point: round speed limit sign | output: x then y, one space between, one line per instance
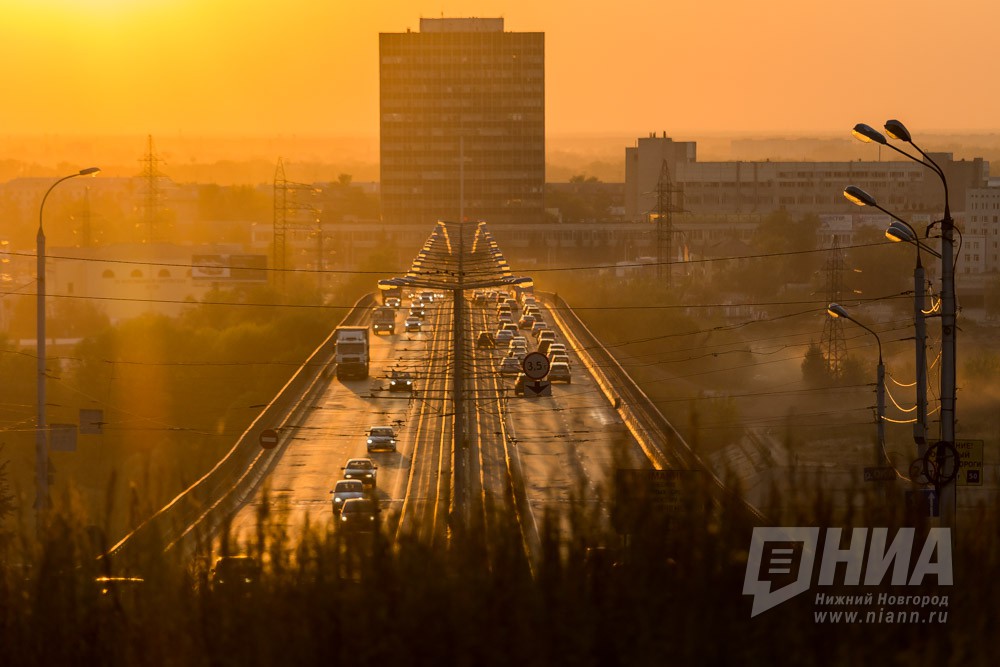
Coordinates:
535 365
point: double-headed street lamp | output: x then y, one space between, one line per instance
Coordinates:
900 230
836 310
896 130
41 431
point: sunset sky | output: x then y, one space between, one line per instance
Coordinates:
686 66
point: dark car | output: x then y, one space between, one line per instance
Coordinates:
400 381
362 469
485 341
359 515
345 490
238 574
417 311
381 439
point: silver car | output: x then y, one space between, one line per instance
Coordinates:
559 372
509 366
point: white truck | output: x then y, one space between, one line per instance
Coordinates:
352 353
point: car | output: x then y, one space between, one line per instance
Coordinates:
538 327
518 353
526 322
559 373
362 469
518 341
485 341
506 318
359 515
344 490
393 302
400 381
509 366
555 348
236 574
519 384
511 327
559 359
503 336
427 297
418 311
412 324
381 439
546 334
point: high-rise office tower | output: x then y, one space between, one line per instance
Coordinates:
462 123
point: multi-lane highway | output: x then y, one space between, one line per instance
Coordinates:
550 451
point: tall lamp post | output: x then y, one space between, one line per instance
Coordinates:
836 310
41 431
898 131
902 231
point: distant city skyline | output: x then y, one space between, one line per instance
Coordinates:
303 67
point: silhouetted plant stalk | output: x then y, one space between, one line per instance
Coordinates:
671 595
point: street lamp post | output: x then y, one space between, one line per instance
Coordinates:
905 232
949 332
41 431
901 230
836 310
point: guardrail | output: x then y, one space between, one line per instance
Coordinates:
660 441
227 485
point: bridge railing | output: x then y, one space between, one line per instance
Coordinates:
663 445
220 491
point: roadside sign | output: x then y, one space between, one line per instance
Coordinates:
535 365
880 474
537 388
970 462
269 438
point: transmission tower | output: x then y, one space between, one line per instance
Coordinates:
288 203
834 346
152 194
669 200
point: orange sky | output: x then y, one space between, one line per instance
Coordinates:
300 67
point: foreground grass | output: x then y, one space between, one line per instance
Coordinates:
671 596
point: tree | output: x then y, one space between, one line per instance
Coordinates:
815 369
